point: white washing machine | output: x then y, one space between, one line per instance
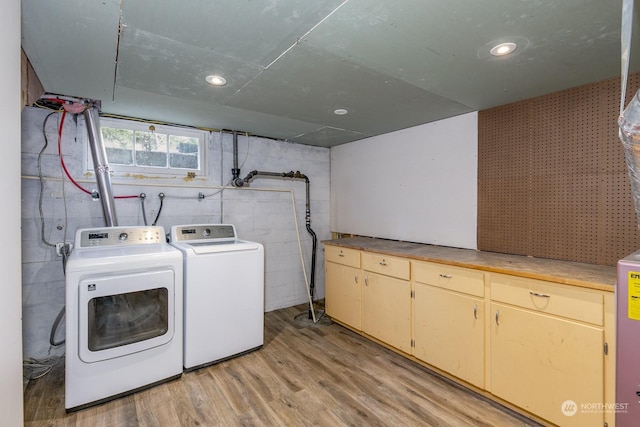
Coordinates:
223 293
124 302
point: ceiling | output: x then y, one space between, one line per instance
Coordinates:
289 64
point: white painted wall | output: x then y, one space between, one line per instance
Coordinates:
10 306
262 212
418 184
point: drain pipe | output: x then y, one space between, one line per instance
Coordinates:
314 238
236 181
314 242
100 163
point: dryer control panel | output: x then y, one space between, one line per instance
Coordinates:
119 236
184 233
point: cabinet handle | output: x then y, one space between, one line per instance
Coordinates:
475 311
498 317
445 276
383 263
356 278
536 294
341 254
366 281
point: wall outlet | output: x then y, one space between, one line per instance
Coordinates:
68 246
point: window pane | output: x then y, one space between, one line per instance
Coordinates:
141 148
151 149
183 152
119 145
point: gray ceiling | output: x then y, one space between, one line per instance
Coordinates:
290 63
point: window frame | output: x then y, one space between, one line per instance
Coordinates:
118 169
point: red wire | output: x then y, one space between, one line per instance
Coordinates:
64 167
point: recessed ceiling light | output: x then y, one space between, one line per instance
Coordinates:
340 111
216 80
503 49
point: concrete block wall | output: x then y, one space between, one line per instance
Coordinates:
263 212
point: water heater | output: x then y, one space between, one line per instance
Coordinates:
628 342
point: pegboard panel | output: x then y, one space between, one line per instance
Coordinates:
503 180
552 182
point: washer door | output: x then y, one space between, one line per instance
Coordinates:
122 314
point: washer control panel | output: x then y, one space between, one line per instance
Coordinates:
119 236
185 233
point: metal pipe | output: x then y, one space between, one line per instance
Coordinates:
251 174
314 238
100 165
236 181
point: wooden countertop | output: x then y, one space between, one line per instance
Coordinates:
569 273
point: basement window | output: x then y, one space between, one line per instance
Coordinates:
138 147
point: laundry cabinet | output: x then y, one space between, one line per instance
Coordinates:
449 319
548 349
343 291
537 335
386 299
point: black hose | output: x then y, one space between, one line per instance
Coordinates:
161 195
46 143
54 328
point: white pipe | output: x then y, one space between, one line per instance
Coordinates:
143 184
304 270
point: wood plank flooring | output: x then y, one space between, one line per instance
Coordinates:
305 375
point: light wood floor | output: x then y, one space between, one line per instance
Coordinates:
305 375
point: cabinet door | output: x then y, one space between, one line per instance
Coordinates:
343 294
386 310
448 330
547 364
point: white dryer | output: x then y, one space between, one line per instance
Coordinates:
124 302
223 293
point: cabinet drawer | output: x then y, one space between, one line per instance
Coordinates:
343 256
463 280
551 298
387 265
